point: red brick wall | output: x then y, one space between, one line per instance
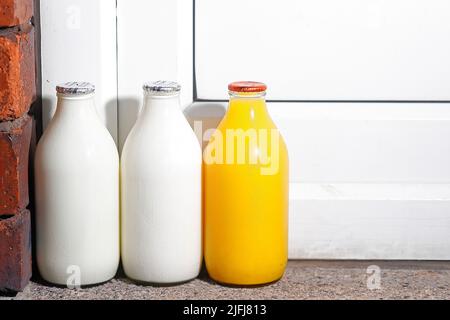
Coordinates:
17 72
17 94
15 12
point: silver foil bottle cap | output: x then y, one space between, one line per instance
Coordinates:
75 88
162 88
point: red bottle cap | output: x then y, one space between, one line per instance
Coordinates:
247 86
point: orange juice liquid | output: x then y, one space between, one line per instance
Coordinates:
246 209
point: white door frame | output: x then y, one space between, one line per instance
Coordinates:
369 179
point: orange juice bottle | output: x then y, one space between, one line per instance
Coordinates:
246 174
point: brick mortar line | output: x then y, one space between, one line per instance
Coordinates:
18 28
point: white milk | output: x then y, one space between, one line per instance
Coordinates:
161 192
77 193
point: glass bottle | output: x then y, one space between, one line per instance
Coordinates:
161 192
246 193
77 193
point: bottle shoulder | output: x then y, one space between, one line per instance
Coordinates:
161 148
72 143
246 123
152 131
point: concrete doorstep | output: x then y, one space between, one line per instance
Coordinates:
311 280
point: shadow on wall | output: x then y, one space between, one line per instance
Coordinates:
122 115
128 112
36 113
111 119
203 117
48 110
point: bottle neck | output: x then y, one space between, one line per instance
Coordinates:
76 106
161 105
250 107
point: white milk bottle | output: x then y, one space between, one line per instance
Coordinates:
161 192
77 193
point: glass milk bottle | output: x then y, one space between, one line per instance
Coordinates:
246 193
77 193
161 192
